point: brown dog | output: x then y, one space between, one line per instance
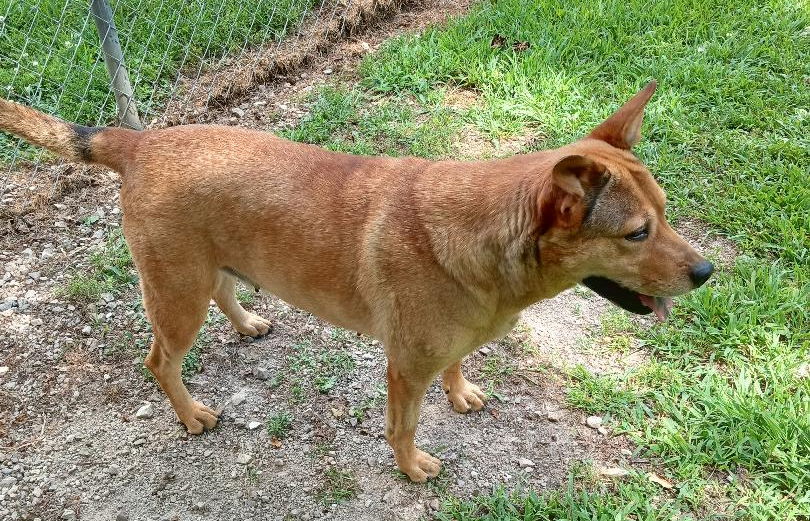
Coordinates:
432 258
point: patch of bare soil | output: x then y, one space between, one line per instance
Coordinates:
71 446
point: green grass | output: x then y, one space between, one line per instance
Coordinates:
357 122
598 394
279 424
338 486
718 407
50 57
582 498
315 367
110 270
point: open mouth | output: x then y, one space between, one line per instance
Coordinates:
628 299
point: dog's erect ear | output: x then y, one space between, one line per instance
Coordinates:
576 174
576 181
623 128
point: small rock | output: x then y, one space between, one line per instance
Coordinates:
594 422
8 482
525 462
803 371
113 470
434 504
122 516
327 71
254 425
239 398
68 515
107 297
243 459
139 441
554 416
87 330
613 472
3 369
236 111
262 373
485 350
146 411
602 430
36 322
626 452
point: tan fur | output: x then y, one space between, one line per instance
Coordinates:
432 258
38 128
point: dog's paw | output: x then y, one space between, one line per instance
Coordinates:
419 466
199 418
253 325
465 397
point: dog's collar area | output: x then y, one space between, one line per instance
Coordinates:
628 299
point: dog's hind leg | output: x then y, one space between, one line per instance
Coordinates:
176 303
464 395
244 322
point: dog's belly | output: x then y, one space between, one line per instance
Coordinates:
347 313
324 289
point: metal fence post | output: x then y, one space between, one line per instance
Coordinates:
114 60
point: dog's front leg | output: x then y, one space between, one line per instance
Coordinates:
406 390
464 396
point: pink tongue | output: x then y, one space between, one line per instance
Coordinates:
660 305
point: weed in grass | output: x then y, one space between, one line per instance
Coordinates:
83 287
372 401
324 384
323 368
276 380
110 271
440 485
245 296
338 486
279 424
497 368
598 394
297 391
583 498
192 363
614 322
352 121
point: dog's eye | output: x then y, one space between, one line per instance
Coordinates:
638 235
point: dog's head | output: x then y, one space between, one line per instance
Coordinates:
603 217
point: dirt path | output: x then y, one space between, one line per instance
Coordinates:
71 446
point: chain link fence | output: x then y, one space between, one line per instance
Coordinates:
178 57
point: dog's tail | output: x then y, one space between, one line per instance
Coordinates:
112 147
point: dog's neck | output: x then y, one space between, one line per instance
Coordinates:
500 252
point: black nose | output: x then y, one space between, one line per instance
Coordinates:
701 272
